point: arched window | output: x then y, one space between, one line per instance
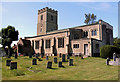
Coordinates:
95 32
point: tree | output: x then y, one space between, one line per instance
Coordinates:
8 35
117 42
90 19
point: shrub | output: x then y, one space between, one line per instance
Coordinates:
108 50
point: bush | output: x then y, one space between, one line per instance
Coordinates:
108 50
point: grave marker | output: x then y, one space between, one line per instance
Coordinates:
8 62
70 62
49 64
63 58
55 60
34 62
60 64
13 65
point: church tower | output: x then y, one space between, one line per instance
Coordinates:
47 21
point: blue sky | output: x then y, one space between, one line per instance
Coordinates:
23 15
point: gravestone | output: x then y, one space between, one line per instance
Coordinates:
63 58
8 62
55 60
46 57
81 57
68 56
13 65
114 56
107 61
60 64
34 62
49 64
70 62
15 56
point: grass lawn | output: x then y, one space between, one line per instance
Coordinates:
90 68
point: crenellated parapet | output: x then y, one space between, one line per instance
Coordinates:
47 9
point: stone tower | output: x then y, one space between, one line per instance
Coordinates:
47 21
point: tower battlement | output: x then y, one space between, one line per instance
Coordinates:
47 9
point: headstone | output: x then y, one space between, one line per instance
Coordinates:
70 62
68 56
13 65
107 61
15 56
81 57
8 62
55 60
34 62
46 57
49 64
114 56
60 64
63 58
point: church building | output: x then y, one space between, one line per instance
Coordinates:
83 40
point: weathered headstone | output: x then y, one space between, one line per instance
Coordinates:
34 62
68 56
63 58
8 62
114 56
55 60
46 57
13 65
70 62
107 61
49 64
60 64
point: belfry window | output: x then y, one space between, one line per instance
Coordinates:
51 17
41 17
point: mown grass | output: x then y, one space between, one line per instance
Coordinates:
90 68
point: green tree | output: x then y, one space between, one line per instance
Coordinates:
9 34
117 42
90 18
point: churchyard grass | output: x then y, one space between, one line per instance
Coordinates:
91 68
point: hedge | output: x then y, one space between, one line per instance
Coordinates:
108 50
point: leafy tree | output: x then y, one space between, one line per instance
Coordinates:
90 18
117 42
8 35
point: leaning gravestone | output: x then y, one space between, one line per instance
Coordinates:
55 60
34 62
70 62
107 61
13 65
63 58
60 64
46 57
49 64
8 62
